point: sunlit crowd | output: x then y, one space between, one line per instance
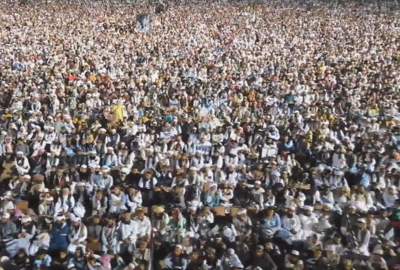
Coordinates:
228 136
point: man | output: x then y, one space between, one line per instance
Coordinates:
146 185
22 163
362 237
308 219
78 235
291 226
143 224
262 259
176 260
23 239
59 240
8 229
230 260
127 233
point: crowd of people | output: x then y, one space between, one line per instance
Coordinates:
226 136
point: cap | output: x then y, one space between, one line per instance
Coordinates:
158 209
361 220
60 218
26 219
49 199
378 250
74 218
242 212
308 208
259 247
295 253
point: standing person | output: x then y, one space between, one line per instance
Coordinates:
59 240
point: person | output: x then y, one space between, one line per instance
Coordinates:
203 132
59 240
8 229
362 237
262 259
78 234
24 236
270 224
176 259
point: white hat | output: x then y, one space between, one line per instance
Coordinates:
4 259
26 219
242 211
8 195
361 220
227 232
6 215
60 218
74 218
49 199
44 190
378 250
295 253
20 153
308 208
81 184
330 248
26 176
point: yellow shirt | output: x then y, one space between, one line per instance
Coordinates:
119 112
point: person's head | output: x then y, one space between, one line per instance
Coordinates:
5 218
60 220
269 212
63 255
178 250
290 211
96 220
26 220
75 221
195 256
79 252
83 169
351 210
361 223
110 222
347 264
140 213
142 245
259 250
65 192
148 174
126 217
